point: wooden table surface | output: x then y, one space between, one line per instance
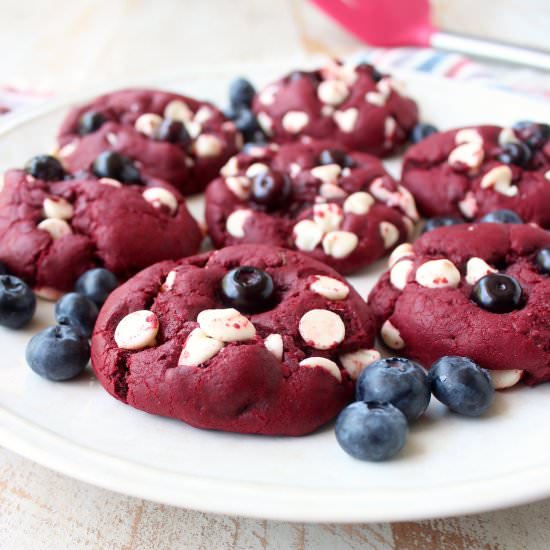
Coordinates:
61 45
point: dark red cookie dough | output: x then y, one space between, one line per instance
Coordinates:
97 224
458 173
346 217
425 308
188 167
353 105
239 374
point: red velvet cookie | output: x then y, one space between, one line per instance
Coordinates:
51 232
169 136
480 291
341 208
470 172
272 348
354 105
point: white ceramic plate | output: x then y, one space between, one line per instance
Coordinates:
451 465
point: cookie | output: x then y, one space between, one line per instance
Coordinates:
341 208
354 105
475 290
52 232
270 348
470 172
169 136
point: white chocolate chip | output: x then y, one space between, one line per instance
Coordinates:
506 136
204 114
198 348
330 288
148 124
500 179
322 329
307 235
330 191
399 273
358 203
323 363
468 154
547 175
328 216
327 110
476 268
239 186
168 282
328 173
355 362
208 146
438 274
265 122
468 135
257 168
55 227
294 169
58 208
375 98
346 120
409 226
267 95
227 325
389 234
193 128
159 197
390 126
137 330
340 244
178 110
274 344
235 222
332 92
111 138
503 379
401 198
468 205
295 121
385 86
391 336
231 167
67 150
110 181
402 251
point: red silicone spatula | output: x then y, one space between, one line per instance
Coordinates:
408 23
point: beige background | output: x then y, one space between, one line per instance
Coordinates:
68 45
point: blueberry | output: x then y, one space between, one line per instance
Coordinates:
398 381
173 131
110 164
501 216
422 131
543 260
462 385
96 284
248 289
246 123
3 269
17 302
91 121
45 167
516 153
497 293
533 134
241 93
313 76
336 156
271 189
371 431
440 221
58 353
77 311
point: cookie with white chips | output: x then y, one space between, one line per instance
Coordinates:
470 172
339 207
353 104
168 136
53 231
481 291
250 339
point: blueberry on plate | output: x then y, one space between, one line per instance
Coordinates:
535 135
45 167
497 293
248 289
110 164
78 312
96 284
543 260
371 431
398 381
91 121
440 221
501 216
241 93
246 123
17 302
58 353
421 131
461 385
